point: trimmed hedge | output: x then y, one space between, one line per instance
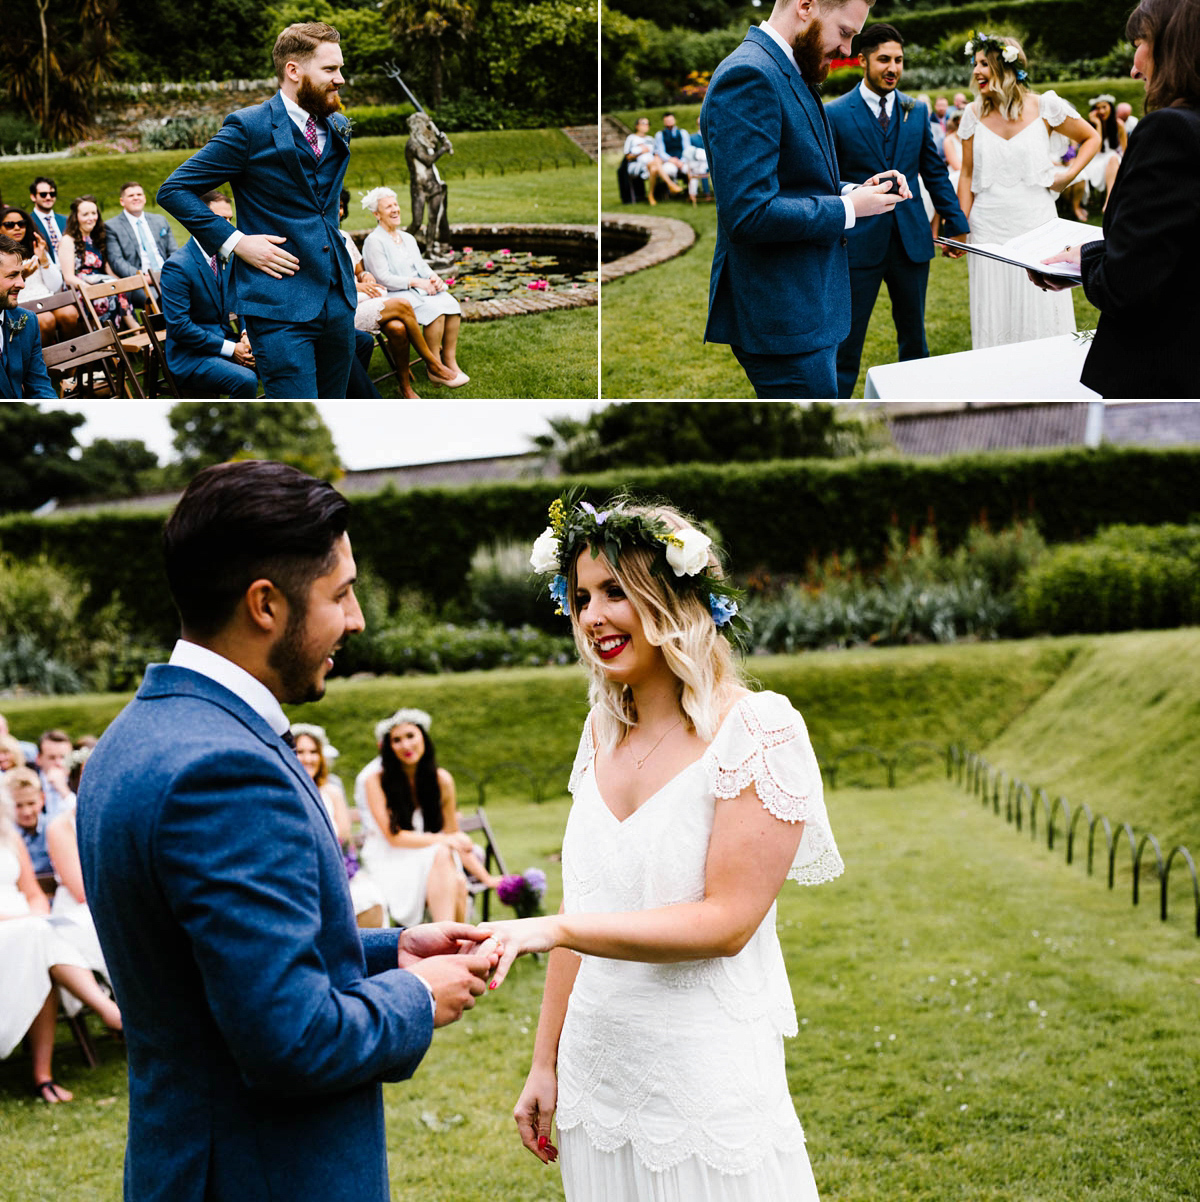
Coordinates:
774 517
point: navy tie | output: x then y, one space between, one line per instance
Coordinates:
883 117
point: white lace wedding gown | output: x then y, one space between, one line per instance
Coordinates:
1010 182
671 1081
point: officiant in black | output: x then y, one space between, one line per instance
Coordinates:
878 128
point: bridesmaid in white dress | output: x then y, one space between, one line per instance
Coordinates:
660 1041
35 958
1007 187
392 256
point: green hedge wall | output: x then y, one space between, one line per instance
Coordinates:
772 516
1066 29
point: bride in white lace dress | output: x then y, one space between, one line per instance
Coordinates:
1007 186
660 1041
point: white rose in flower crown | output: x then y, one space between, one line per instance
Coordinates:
969 48
692 556
545 552
1009 54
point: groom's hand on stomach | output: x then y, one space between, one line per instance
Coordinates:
265 251
456 981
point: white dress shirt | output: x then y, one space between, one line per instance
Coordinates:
874 100
144 236
783 45
236 679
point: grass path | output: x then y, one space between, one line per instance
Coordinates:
977 1022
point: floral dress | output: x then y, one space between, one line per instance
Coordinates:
88 263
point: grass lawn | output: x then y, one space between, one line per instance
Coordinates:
672 300
977 1022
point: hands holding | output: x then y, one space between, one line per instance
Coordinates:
448 957
520 936
265 251
1057 283
880 194
243 356
949 252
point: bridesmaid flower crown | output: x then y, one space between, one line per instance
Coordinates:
681 556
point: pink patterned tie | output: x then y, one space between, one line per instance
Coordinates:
52 232
212 262
310 132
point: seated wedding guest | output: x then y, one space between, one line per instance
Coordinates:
960 101
25 792
314 752
22 369
54 767
671 145
11 754
394 260
137 240
641 160
83 259
952 153
42 276
70 899
36 958
413 848
198 300
937 122
1102 170
1142 275
1126 117
43 196
395 319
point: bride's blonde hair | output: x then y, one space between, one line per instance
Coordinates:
1005 84
677 621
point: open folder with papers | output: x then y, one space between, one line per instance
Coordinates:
1029 249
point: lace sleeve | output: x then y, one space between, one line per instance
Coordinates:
1054 110
764 743
966 125
583 756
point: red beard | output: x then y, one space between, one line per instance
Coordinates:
320 102
809 50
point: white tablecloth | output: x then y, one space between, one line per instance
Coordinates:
1047 369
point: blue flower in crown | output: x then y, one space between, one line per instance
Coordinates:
558 590
723 609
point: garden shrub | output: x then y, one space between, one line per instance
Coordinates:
501 588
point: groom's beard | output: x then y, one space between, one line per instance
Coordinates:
809 49
319 101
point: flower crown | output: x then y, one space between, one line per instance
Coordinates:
413 717
989 44
575 523
318 735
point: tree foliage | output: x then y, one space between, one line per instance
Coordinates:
35 456
208 432
658 435
431 25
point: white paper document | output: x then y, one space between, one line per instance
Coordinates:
1030 248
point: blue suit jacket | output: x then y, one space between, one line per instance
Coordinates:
40 226
255 152
124 253
779 283
861 150
196 305
259 1020
23 376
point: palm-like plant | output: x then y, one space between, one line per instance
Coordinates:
431 23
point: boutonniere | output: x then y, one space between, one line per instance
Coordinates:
17 321
907 106
344 126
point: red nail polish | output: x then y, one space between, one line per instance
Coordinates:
542 1142
493 984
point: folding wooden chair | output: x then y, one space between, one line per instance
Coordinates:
392 372
47 304
84 358
135 340
478 822
155 325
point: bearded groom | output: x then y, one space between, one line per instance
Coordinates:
285 160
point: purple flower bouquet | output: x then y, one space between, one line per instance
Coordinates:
523 891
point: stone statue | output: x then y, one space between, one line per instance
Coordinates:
426 144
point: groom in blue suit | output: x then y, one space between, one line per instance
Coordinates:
779 291
872 132
259 1020
22 369
285 159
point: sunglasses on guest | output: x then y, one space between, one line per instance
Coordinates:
13 225
45 195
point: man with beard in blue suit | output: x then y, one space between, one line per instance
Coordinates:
197 297
872 132
22 369
285 160
779 292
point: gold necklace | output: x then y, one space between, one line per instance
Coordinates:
638 763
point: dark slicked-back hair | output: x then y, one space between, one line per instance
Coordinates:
241 522
876 35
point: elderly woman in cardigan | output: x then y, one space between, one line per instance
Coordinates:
392 256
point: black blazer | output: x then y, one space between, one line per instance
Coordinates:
1142 277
